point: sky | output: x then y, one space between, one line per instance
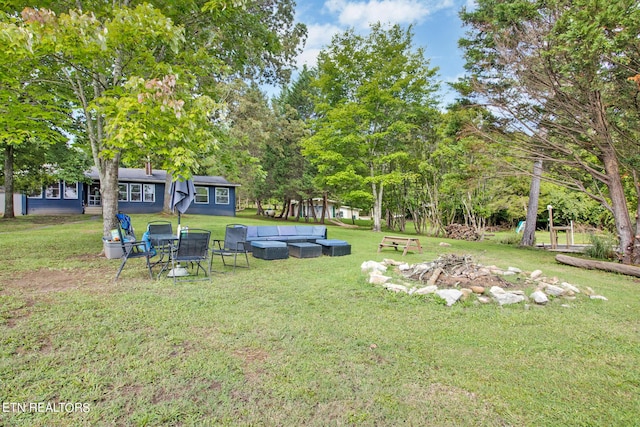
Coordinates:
436 27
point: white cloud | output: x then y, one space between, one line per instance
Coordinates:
318 37
360 14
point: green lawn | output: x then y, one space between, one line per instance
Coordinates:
300 341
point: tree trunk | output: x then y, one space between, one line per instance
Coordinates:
377 206
619 208
285 209
166 206
8 182
299 211
324 207
109 193
311 209
529 233
599 265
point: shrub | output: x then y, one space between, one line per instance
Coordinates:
602 246
510 239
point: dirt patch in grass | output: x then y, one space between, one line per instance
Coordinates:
47 280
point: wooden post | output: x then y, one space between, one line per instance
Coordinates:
553 237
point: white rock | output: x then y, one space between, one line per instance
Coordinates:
554 290
539 297
508 273
373 266
600 297
396 288
426 290
570 287
449 295
484 299
445 244
508 298
388 261
496 290
404 267
535 274
515 270
378 279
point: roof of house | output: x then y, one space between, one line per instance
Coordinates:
160 176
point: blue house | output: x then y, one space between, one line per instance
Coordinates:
140 191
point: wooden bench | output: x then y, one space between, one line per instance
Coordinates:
406 243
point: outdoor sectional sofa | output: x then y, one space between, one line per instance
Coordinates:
286 233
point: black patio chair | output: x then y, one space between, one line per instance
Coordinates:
161 236
131 248
234 243
192 250
159 231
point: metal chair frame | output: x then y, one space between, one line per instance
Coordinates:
192 248
234 243
132 249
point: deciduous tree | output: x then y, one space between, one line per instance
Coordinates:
557 72
374 90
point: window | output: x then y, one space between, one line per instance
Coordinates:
149 193
202 195
123 194
222 196
35 194
70 190
53 191
135 192
94 198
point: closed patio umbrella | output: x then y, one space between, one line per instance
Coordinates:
182 194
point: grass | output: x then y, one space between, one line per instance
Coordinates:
301 341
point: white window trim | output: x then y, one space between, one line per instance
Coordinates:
65 186
53 198
195 200
228 195
126 193
141 194
40 195
152 193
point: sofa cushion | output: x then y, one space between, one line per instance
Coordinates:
267 230
268 244
331 242
319 230
252 231
287 230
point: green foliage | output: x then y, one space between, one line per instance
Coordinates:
602 246
564 71
573 206
368 110
509 239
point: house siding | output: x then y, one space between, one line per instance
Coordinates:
138 179
212 208
44 206
142 206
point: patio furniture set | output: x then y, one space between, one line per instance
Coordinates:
183 254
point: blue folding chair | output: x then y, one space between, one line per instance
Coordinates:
131 248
